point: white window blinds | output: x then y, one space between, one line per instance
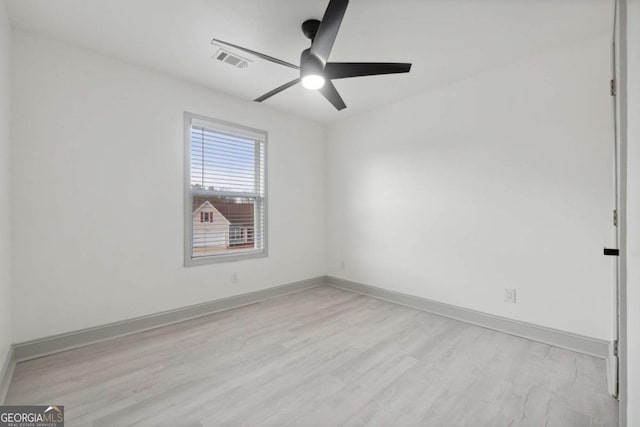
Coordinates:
226 203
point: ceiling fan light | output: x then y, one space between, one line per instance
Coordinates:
313 81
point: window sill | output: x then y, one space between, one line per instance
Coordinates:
216 259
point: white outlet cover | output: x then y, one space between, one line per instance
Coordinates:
510 295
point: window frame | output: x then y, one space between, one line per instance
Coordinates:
260 136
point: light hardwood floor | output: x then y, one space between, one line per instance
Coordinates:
322 357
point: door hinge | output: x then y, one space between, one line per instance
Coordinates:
613 87
615 348
615 217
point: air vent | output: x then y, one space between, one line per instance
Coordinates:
231 58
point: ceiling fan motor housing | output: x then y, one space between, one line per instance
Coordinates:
310 64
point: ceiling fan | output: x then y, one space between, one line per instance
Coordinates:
316 72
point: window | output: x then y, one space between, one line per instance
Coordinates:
238 235
225 191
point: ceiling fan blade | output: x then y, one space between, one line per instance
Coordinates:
328 30
342 70
258 54
331 93
277 90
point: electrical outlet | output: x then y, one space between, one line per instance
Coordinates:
510 295
234 277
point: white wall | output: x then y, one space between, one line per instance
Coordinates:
633 213
98 144
5 229
450 195
500 181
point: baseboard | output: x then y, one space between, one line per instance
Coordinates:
54 344
57 343
6 374
579 343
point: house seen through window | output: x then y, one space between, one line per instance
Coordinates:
226 203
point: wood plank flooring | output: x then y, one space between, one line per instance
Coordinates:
322 357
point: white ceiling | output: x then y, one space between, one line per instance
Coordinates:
446 41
